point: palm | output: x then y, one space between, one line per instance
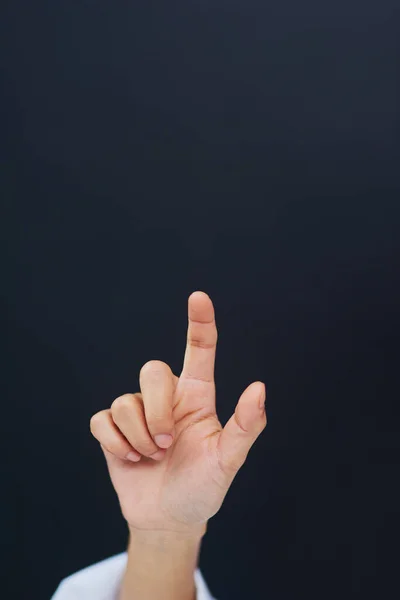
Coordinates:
188 486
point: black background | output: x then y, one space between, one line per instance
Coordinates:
247 149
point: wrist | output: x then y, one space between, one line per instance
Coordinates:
161 563
167 537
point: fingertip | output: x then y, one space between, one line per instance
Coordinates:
163 440
158 455
200 309
198 293
133 456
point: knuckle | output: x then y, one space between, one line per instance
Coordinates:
154 368
201 343
122 404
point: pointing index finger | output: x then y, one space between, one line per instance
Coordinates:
202 337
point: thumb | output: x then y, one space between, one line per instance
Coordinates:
243 428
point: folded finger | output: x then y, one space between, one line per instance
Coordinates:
127 412
157 385
111 439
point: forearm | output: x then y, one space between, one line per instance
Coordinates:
161 565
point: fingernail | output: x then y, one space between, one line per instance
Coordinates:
262 398
133 456
163 440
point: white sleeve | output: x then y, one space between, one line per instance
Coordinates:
102 581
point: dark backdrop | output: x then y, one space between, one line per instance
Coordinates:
247 149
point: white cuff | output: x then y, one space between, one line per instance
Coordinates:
102 581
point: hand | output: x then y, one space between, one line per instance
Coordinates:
176 484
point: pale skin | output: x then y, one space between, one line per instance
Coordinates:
169 487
